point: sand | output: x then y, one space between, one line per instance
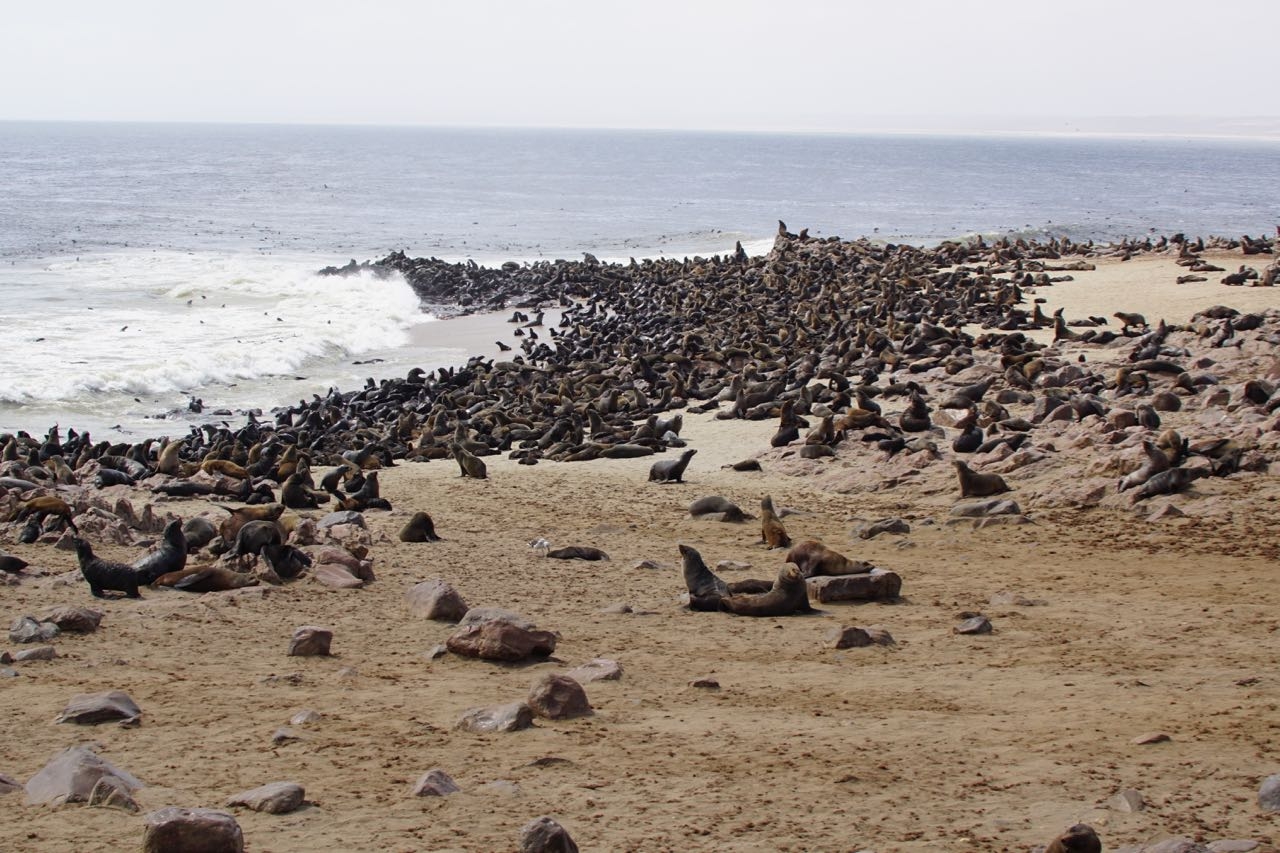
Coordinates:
940 742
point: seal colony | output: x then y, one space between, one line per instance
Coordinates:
854 376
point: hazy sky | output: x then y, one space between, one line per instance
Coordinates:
717 64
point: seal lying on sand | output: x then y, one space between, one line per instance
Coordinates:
716 504
788 596
105 574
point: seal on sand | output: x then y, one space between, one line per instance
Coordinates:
815 559
713 504
705 588
104 574
419 529
206 579
772 533
171 556
1078 839
789 595
975 485
11 563
472 466
671 470
577 552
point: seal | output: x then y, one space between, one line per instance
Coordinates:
789 595
705 587
42 507
110 477
198 531
11 563
254 536
285 560
1078 839
296 492
470 464
225 467
245 514
419 529
1156 462
171 556
716 504
772 533
815 559
577 552
670 470
975 485
167 461
206 579
1168 482
104 574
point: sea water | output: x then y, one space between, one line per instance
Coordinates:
144 266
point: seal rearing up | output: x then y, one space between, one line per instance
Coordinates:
671 470
171 556
772 533
976 485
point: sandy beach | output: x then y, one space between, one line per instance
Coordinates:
1112 621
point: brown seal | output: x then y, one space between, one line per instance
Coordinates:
1078 839
105 574
772 533
789 596
245 514
815 559
419 529
167 462
225 467
206 579
975 485
470 464
40 507
716 504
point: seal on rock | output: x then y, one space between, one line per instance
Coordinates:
39 508
671 470
104 574
815 559
976 485
788 596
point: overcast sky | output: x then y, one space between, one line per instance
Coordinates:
716 64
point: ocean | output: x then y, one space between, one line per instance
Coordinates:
144 265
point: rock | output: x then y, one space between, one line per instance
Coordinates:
477 615
76 620
284 735
877 585
110 792
1150 738
557 697
343 517
1004 598
848 637
732 566
497 718
305 717
435 783
705 683
1226 845
272 798
38 653
435 599
544 835
974 625
24 629
1165 512
70 777
6 672
498 640
336 576
172 829
985 508
1127 801
88 709
437 651
1269 794
1175 845
310 641
884 525
597 669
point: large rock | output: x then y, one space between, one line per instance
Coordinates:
435 783
477 615
175 830
878 585
336 576
544 835
24 629
76 620
556 697
435 599
341 517
497 718
70 777
502 641
310 641
88 709
272 798
1269 794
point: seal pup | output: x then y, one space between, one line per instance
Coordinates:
789 596
470 464
772 533
104 574
815 559
198 531
1078 839
420 528
171 556
670 470
975 485
11 563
